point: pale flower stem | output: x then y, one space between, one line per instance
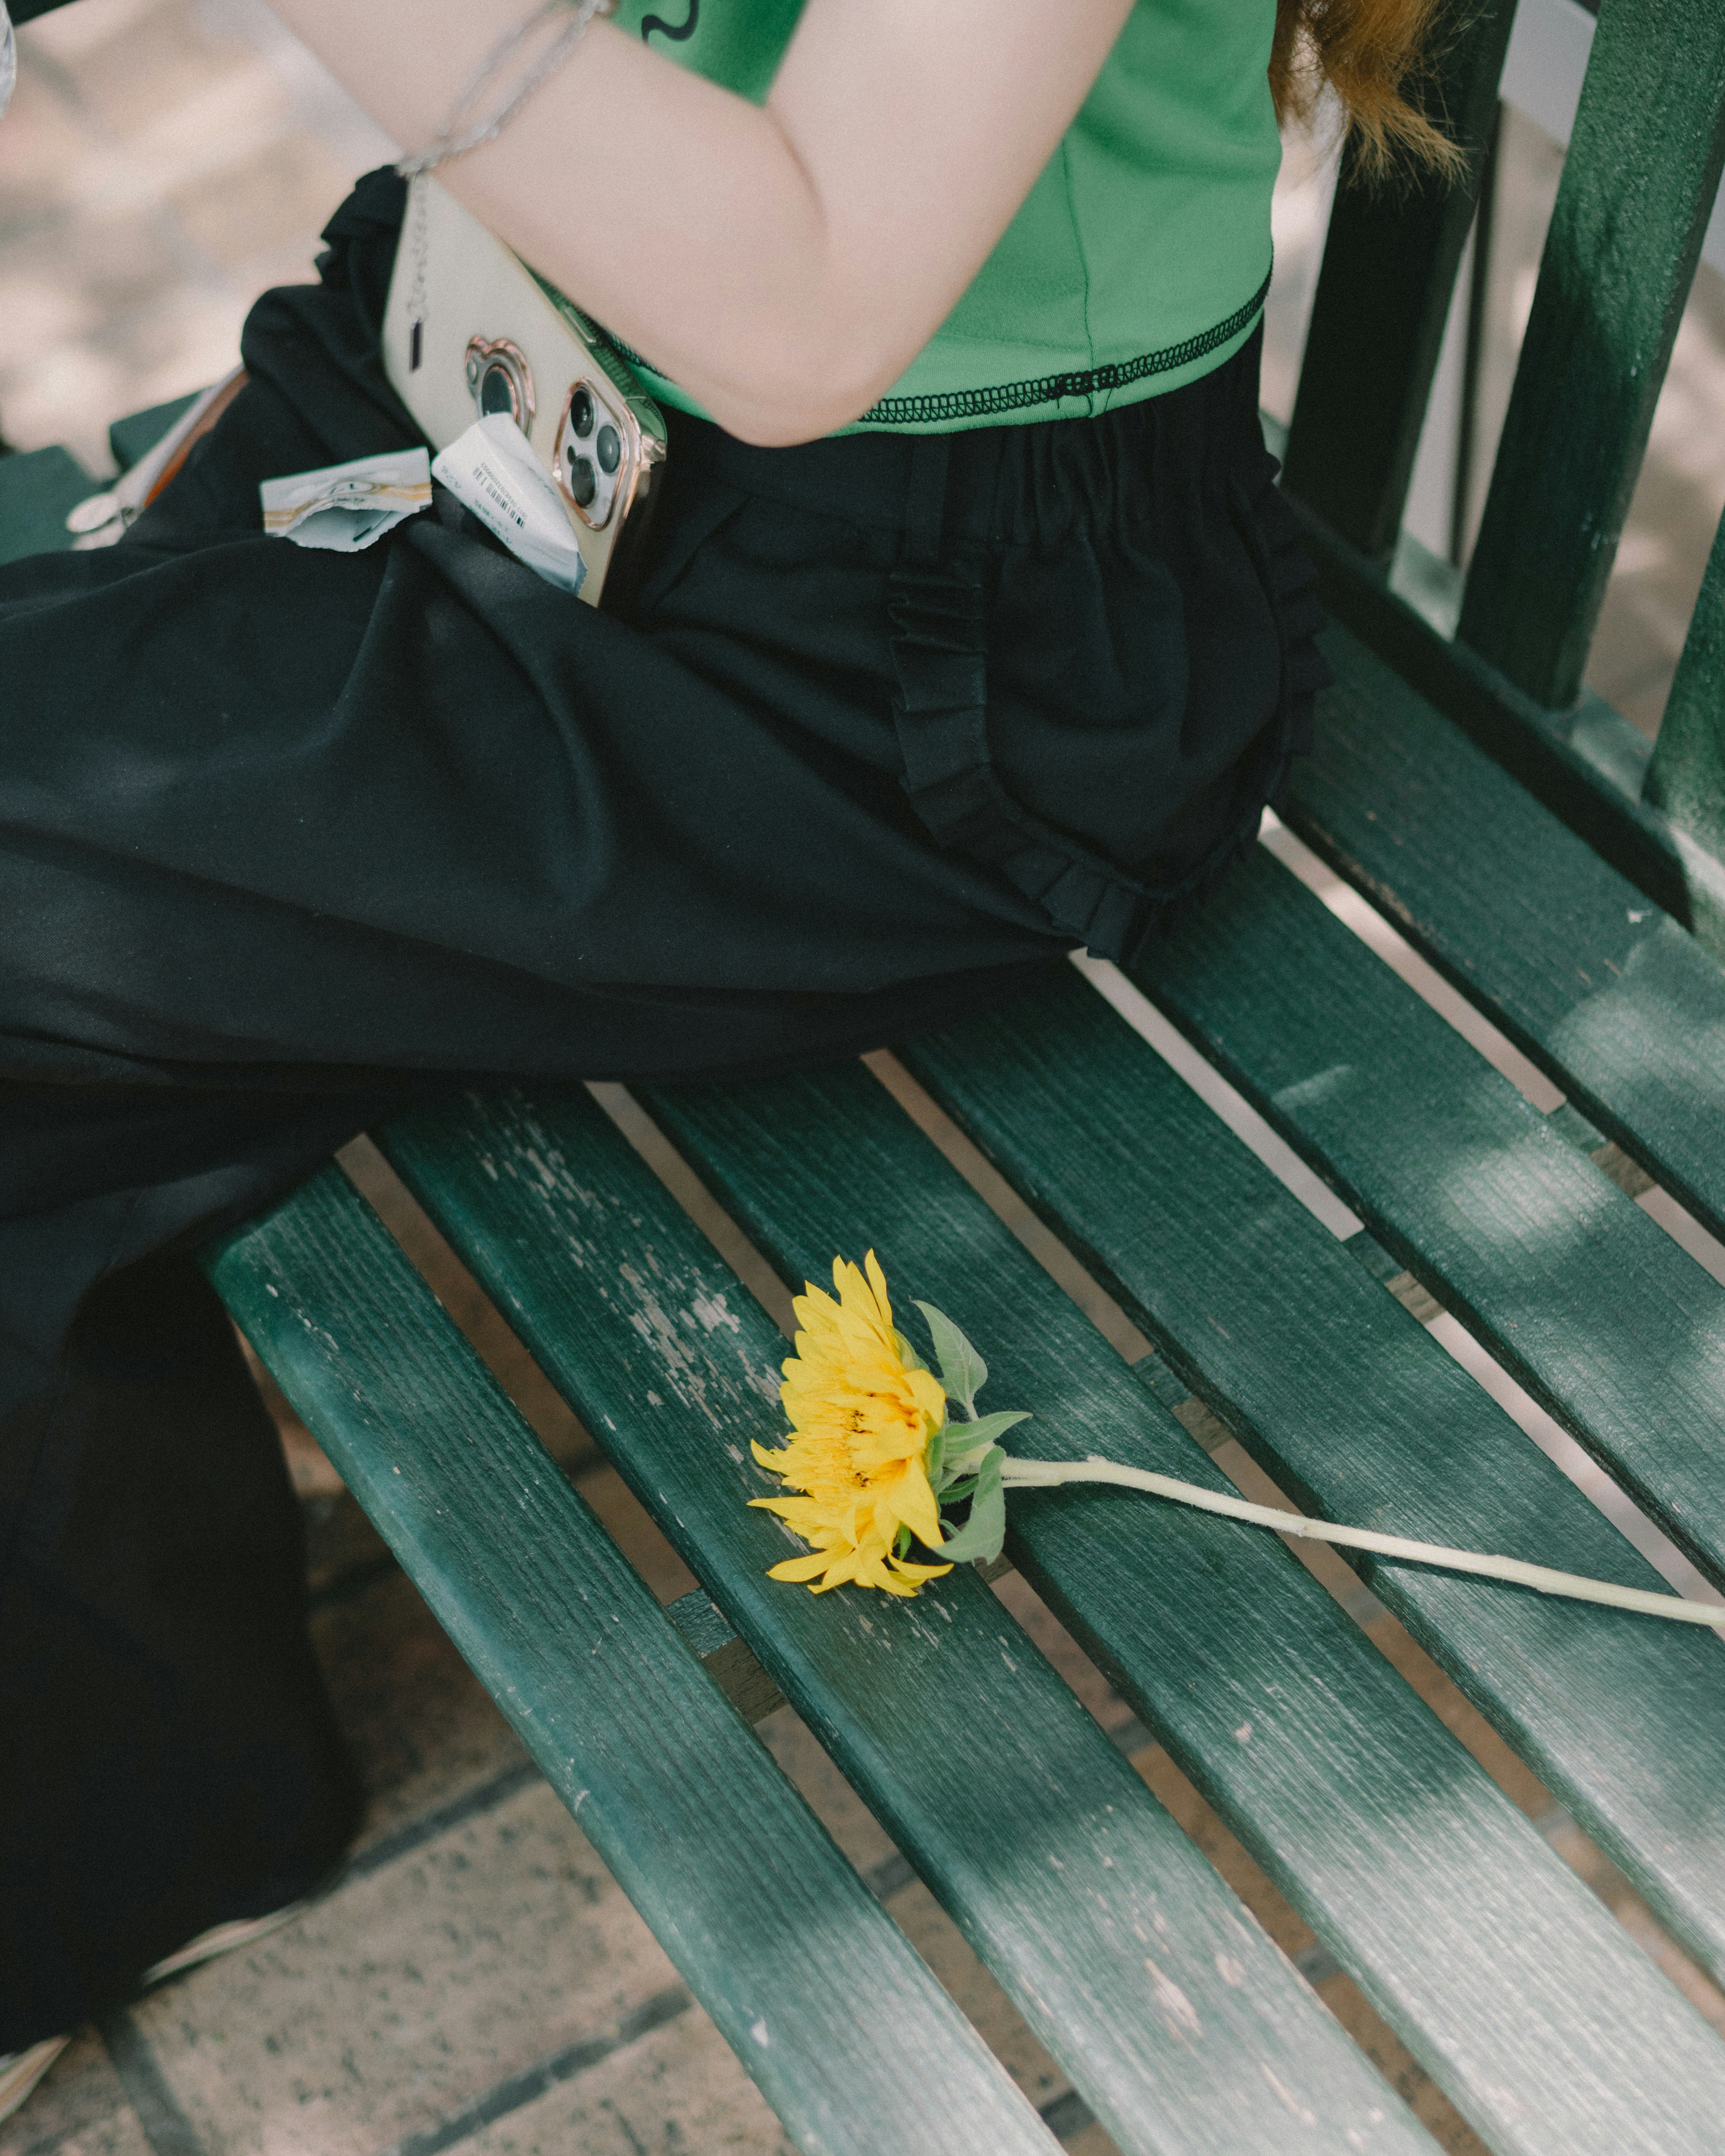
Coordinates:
1045 1473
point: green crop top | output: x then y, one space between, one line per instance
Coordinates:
1141 256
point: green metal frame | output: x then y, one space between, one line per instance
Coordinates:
1382 295
1640 179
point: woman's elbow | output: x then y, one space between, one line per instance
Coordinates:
789 399
786 426
801 414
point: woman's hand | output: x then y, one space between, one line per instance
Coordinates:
784 263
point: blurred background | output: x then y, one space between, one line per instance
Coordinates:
163 163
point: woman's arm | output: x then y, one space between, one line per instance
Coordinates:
783 263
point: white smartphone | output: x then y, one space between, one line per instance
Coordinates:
470 330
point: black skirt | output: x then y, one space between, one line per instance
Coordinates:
891 720
893 724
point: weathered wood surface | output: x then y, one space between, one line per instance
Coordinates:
1181 2024
1601 989
1590 1304
1639 185
1361 1417
850 2039
1491 1963
726 1657
1389 266
1587 765
1687 776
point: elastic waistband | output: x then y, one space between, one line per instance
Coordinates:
1007 483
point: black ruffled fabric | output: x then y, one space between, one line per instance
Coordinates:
940 613
1290 577
892 721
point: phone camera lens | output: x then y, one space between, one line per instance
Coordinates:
496 392
580 413
610 449
583 480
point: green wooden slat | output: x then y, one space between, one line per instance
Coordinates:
1354 1408
1599 988
1587 765
136 435
1547 2028
1382 296
1687 776
850 2038
1639 185
1136 1967
1593 1308
37 488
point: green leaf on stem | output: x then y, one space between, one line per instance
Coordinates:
963 1442
963 1372
979 1539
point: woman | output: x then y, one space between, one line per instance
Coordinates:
971 631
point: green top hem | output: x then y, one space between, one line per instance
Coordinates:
1074 393
1124 273
968 406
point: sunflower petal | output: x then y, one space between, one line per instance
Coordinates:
929 1394
877 1282
800 1567
913 1502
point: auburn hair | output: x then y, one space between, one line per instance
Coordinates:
1371 52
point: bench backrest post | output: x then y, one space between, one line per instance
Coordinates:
1639 185
1383 294
1687 776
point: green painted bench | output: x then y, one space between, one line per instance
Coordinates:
1512 828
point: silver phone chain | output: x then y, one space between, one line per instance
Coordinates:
418 238
451 142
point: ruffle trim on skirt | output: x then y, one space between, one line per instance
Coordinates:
939 652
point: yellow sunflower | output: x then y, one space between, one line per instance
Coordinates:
861 1418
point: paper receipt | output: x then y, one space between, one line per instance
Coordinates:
492 471
347 507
